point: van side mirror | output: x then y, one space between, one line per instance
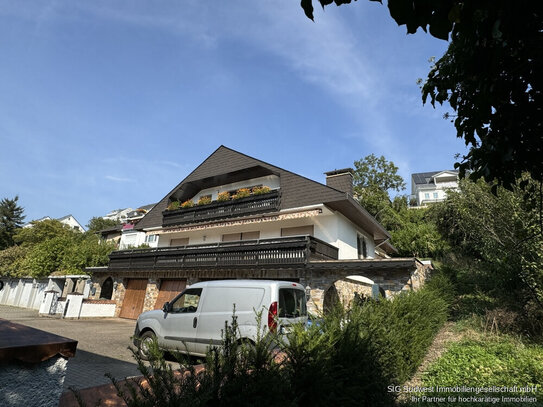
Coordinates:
166 307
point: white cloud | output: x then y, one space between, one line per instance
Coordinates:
119 179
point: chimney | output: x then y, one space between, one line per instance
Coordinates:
341 180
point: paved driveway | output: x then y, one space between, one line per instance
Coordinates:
102 345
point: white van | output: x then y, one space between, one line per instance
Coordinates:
193 320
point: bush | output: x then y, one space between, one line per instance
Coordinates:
187 204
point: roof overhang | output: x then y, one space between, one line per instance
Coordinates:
351 209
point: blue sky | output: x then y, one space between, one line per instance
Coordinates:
109 104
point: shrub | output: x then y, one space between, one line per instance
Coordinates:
261 190
204 200
223 196
187 204
242 193
174 205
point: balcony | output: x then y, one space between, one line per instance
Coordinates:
250 205
281 252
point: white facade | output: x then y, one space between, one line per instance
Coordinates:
328 226
435 188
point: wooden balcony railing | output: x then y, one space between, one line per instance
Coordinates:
283 251
250 205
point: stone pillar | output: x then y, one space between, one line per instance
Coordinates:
47 303
74 302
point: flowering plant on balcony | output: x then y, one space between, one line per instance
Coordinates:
204 200
223 196
187 204
174 205
242 193
261 190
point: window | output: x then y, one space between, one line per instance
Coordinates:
426 195
292 303
435 195
187 302
233 237
182 241
361 247
151 238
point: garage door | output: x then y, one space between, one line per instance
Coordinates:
168 290
133 298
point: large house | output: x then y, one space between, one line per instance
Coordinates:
235 216
429 187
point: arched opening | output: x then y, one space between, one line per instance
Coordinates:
107 289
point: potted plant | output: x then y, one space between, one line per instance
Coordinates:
261 190
204 200
242 193
187 204
174 205
223 196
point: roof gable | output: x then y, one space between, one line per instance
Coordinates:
296 190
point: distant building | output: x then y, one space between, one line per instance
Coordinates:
68 220
429 187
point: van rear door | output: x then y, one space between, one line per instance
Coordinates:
292 307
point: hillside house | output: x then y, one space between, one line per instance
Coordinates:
235 216
429 187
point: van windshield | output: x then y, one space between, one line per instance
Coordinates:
292 303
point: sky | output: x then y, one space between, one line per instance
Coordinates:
109 104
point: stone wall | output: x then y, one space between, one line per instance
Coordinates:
392 276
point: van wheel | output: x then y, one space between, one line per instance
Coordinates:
145 341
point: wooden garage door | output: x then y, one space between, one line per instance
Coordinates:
168 290
133 298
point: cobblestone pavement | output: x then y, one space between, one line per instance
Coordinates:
102 345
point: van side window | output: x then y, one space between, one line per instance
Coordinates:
292 303
188 301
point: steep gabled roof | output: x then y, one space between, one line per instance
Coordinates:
296 190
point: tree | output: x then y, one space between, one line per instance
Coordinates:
11 219
96 224
374 177
491 75
501 231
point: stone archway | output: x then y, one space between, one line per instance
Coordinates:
107 289
331 299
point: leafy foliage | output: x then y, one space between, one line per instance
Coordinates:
413 232
490 75
11 219
97 224
51 247
502 231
